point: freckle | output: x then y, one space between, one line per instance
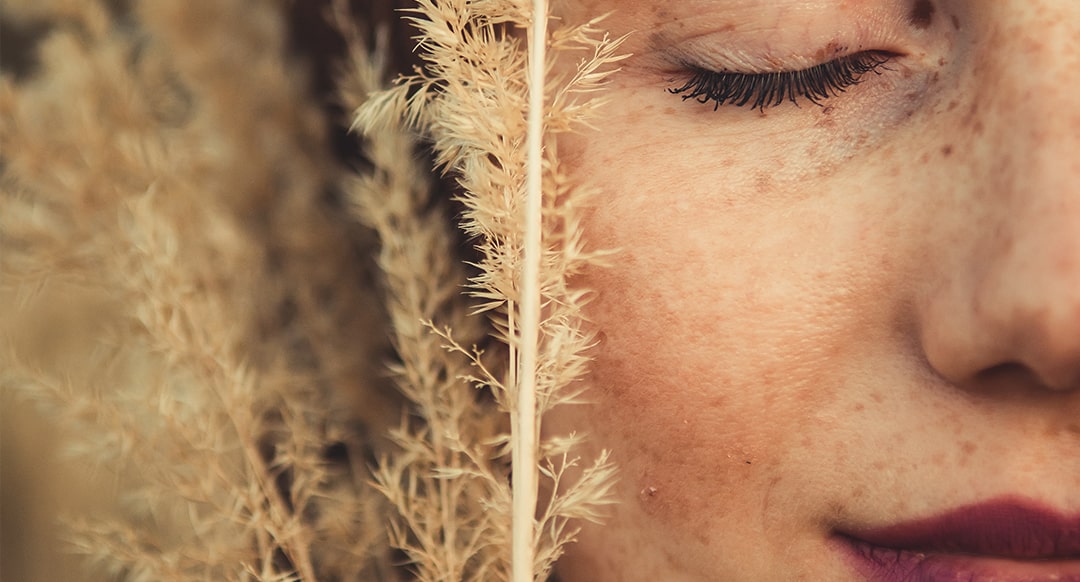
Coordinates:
716 401
953 104
922 14
955 22
877 397
971 118
831 50
968 447
947 150
763 182
669 111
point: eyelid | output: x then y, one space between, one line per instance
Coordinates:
760 37
770 89
766 60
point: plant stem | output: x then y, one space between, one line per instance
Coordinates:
525 436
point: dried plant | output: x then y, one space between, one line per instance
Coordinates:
175 293
524 214
441 478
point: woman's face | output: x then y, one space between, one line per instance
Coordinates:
832 324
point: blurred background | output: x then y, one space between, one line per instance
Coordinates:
39 483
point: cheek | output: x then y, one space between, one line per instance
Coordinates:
749 305
687 436
714 374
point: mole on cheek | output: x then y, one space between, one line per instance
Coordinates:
922 14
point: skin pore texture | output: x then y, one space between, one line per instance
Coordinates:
836 317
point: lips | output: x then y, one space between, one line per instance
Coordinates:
1005 540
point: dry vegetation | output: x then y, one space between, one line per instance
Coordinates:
179 294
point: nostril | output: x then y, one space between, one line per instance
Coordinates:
1004 371
1009 376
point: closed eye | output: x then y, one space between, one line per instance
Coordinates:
761 90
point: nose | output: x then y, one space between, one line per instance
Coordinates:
1007 293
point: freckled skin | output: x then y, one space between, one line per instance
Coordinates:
804 331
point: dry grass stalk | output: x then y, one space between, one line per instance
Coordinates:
153 182
469 100
524 428
441 477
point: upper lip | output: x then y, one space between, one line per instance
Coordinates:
1012 528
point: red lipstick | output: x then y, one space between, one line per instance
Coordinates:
1004 540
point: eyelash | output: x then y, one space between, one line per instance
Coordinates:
761 90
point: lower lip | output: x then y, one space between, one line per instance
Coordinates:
878 564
